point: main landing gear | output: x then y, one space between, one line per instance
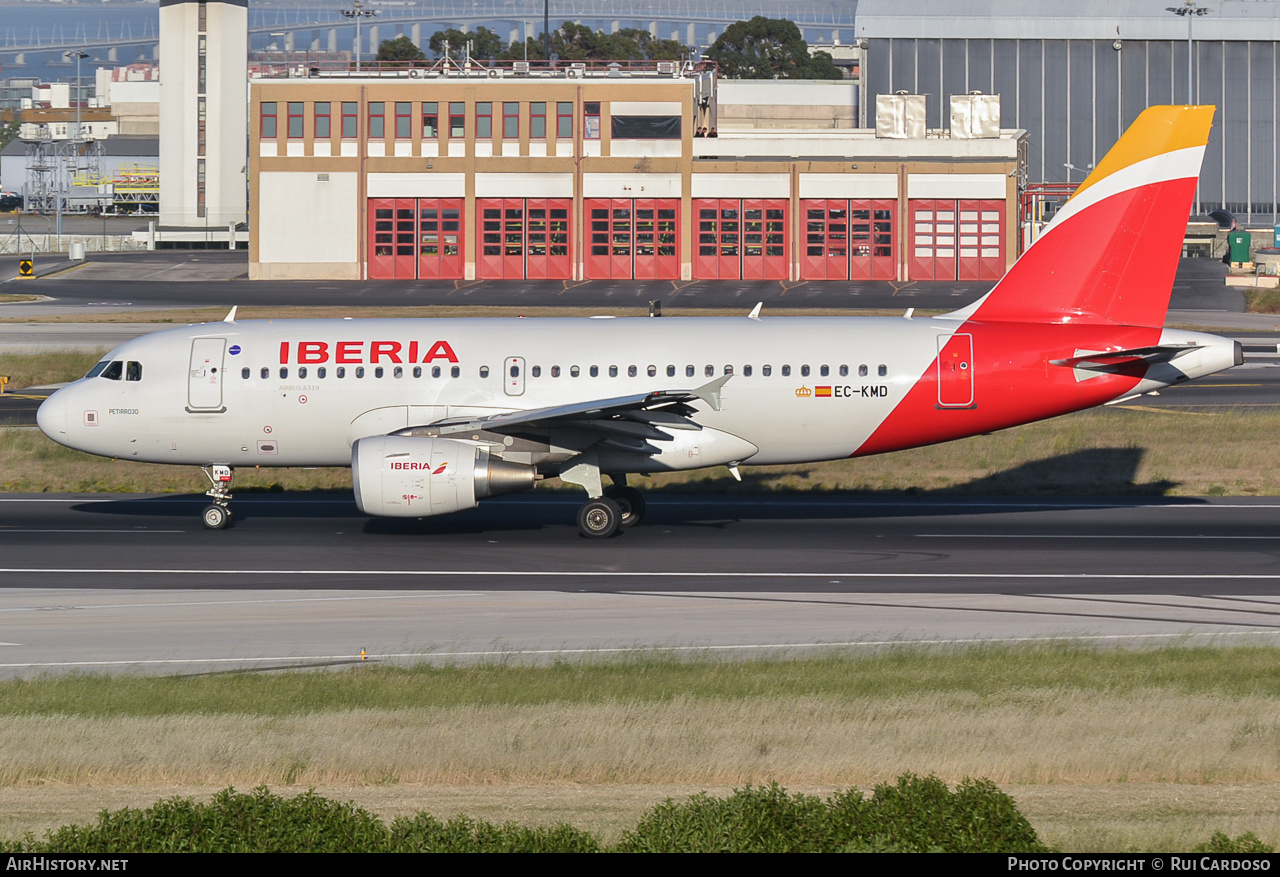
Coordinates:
605 511
620 507
218 515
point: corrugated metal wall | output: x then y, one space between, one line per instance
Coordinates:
1074 97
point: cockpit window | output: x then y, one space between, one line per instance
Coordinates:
97 369
114 371
133 371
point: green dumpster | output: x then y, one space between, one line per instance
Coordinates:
1238 243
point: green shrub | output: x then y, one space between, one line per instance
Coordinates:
424 833
913 815
1245 843
232 822
764 819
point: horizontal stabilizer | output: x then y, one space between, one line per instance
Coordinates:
1106 360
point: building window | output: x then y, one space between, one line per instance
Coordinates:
645 127
268 128
295 120
430 121
377 120
538 121
350 120
591 120
457 120
564 120
404 120
484 120
322 121
510 120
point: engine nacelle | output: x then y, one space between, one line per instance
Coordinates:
413 477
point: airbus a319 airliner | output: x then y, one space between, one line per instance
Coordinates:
435 415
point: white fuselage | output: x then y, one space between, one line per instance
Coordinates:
300 392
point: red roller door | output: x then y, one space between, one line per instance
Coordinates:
826 240
440 239
382 238
392 234
548 256
933 240
871 239
764 239
632 239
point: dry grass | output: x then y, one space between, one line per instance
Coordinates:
49 367
1104 750
1028 737
1262 301
1110 451
1093 773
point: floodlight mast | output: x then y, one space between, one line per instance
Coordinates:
1189 11
358 12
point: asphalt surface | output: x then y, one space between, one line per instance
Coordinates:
135 583
174 279
131 583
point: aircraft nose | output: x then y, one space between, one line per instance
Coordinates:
51 416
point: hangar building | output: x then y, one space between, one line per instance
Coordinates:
606 170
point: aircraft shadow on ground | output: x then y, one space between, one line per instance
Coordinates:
1096 476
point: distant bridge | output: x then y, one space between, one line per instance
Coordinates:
687 21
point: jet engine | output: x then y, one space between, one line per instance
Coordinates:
413 477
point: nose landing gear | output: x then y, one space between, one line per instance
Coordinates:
217 515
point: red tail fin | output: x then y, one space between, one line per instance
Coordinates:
1111 252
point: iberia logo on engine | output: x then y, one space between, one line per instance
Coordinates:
418 466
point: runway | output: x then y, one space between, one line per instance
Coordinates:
124 583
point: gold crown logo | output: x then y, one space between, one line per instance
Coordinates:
804 391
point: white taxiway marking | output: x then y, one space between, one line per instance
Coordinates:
185 603
533 653
655 574
1072 536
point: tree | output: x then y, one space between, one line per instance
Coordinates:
485 44
400 49
768 48
9 129
577 42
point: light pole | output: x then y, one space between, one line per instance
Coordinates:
1189 10
78 54
358 12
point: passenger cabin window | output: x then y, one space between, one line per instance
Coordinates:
786 371
302 371
455 371
862 371
882 370
766 370
484 371
244 373
265 373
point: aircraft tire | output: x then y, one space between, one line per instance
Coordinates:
631 501
215 517
599 518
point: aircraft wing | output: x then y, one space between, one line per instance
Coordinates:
638 416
